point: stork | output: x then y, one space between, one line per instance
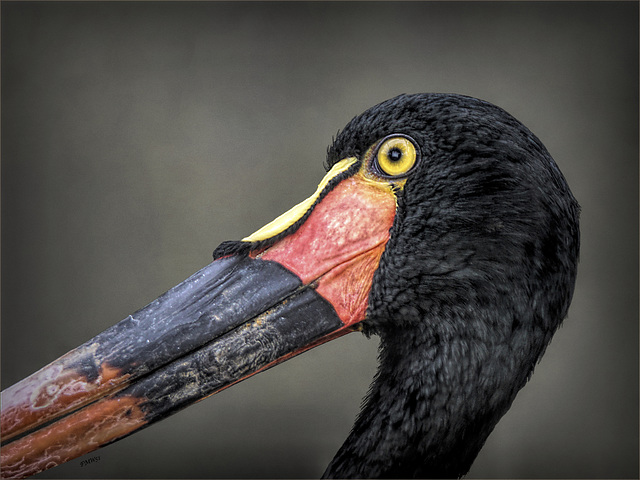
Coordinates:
443 226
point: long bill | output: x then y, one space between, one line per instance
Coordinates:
300 281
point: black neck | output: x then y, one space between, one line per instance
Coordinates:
430 408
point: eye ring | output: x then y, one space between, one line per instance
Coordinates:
395 156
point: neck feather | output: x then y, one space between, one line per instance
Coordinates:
435 399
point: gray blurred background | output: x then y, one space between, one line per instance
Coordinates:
138 136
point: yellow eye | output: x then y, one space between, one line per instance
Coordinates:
396 156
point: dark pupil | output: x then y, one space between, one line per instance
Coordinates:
395 154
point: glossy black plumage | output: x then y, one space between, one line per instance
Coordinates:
476 278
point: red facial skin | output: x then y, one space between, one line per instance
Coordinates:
340 245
